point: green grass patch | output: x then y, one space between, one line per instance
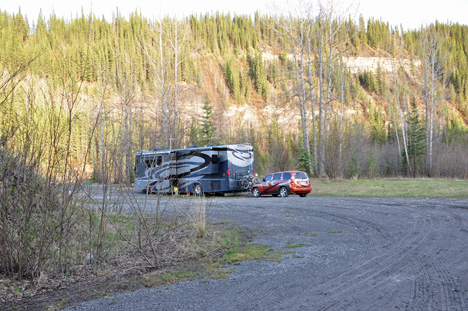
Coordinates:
236 250
277 256
435 188
168 277
247 252
297 245
338 231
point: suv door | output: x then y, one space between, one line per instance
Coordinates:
275 182
265 184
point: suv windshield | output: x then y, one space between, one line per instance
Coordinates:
300 175
268 178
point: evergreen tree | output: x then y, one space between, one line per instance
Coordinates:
246 86
416 142
207 130
367 81
304 161
378 131
91 51
194 133
258 72
232 75
362 31
380 87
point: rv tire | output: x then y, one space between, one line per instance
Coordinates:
197 190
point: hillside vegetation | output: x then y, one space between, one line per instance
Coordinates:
316 91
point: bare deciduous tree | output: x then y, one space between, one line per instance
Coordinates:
433 55
294 29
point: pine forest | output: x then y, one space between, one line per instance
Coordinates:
328 93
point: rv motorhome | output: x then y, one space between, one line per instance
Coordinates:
197 170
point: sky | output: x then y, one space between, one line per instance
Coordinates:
410 13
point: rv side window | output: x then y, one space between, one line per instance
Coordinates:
150 162
159 162
214 159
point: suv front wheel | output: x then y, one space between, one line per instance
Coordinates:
256 192
283 192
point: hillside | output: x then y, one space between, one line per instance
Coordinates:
326 95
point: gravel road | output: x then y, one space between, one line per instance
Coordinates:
350 254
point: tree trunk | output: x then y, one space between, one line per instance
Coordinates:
312 105
402 122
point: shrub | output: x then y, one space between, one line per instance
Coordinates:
33 219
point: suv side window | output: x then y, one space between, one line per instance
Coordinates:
277 176
268 178
300 175
286 175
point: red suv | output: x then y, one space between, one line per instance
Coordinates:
283 184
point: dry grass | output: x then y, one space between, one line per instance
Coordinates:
186 251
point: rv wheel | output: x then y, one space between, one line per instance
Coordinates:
197 189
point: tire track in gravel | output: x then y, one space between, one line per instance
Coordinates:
264 294
447 287
374 274
360 276
431 243
415 236
439 267
427 238
404 254
284 230
454 296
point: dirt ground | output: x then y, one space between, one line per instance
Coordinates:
339 254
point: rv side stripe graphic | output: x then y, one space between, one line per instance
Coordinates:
164 169
207 162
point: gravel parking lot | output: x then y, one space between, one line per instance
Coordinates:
340 254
